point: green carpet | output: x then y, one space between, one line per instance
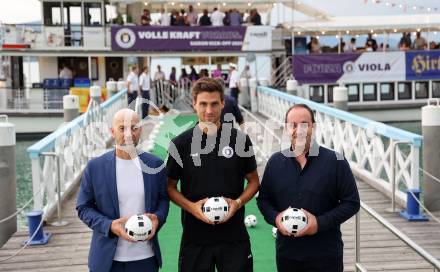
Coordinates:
263 244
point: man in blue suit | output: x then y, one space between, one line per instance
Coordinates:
115 186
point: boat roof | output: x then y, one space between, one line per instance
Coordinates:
367 24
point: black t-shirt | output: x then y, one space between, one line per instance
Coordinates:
211 166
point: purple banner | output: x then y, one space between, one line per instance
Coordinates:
157 38
320 68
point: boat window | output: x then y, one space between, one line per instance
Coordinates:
92 14
317 93
422 90
370 92
436 89
353 92
387 91
52 13
330 93
404 90
110 13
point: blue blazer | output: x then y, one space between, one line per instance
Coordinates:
97 205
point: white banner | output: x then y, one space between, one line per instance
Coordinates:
375 67
257 38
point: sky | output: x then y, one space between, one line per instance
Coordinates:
23 11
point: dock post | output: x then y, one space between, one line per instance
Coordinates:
431 155
71 107
292 86
8 223
244 98
111 88
36 234
340 98
253 93
95 93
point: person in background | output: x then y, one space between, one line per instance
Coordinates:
419 42
217 73
235 18
193 76
164 19
132 84
191 16
255 17
217 17
159 75
172 77
371 42
204 19
144 84
350 47
65 73
233 79
146 18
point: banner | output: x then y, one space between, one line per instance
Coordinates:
358 68
195 38
422 65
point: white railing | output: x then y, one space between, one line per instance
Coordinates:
169 95
366 144
74 144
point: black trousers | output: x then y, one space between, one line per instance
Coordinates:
322 265
132 97
145 265
226 257
234 93
145 104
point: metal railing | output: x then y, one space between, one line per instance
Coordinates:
282 73
410 243
367 145
75 143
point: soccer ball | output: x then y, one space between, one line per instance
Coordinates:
274 232
138 227
294 220
216 209
250 221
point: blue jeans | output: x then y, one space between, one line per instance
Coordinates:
145 265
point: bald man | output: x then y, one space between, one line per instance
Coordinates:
115 186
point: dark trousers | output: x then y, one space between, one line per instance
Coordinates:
131 97
322 265
145 265
145 104
234 93
226 257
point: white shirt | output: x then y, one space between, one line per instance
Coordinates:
66 73
165 19
144 82
217 18
133 82
233 79
131 197
159 75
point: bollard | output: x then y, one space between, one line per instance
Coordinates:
291 87
36 234
262 81
71 107
253 94
8 185
431 155
121 85
244 98
95 93
340 98
412 212
112 87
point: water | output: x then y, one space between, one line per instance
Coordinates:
24 175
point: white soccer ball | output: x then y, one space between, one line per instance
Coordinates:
138 227
274 232
250 221
294 220
216 209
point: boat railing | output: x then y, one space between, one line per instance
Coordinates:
71 146
435 263
367 145
282 73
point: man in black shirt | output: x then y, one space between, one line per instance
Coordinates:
212 159
320 182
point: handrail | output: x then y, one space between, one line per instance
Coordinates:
403 237
48 142
377 127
